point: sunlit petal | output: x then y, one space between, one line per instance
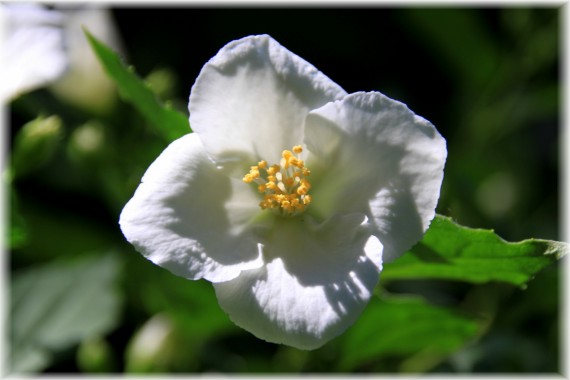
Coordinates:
179 220
250 101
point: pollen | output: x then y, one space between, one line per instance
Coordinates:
284 187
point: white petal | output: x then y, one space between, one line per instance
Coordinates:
250 101
179 216
32 51
380 159
317 280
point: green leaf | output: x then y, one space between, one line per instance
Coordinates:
403 326
453 252
57 305
170 123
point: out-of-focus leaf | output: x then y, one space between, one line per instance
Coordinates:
57 305
170 123
453 252
403 326
56 231
191 305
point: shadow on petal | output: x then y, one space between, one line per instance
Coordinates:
363 170
397 220
316 281
330 255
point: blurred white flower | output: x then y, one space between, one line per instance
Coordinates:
44 47
32 50
289 194
85 84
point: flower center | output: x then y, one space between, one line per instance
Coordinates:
284 186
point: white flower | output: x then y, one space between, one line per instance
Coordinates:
295 251
32 52
44 47
85 84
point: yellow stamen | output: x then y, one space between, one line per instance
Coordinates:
284 186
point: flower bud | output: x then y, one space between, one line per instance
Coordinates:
35 144
95 355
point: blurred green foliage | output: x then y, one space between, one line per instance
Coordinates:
58 305
84 300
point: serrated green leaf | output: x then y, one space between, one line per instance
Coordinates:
453 252
57 305
170 123
403 326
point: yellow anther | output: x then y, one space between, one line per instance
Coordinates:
273 169
284 190
292 161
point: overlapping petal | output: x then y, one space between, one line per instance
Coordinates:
316 281
382 160
250 101
180 216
